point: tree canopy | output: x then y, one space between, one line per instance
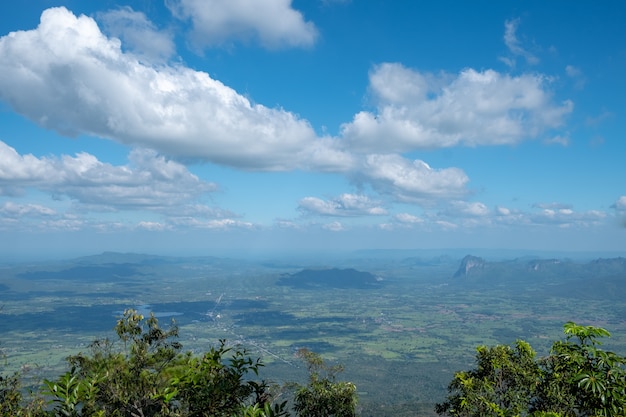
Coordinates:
150 376
577 379
146 374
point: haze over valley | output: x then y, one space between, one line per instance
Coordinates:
400 322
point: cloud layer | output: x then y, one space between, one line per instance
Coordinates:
67 75
342 206
148 182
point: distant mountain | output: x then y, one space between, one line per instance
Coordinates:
611 265
470 264
331 278
473 269
117 266
91 273
123 258
130 258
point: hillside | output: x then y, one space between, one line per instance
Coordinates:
331 278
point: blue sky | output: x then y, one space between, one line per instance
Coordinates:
191 126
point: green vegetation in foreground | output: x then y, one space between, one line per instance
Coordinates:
576 379
151 377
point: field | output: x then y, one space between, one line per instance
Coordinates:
400 337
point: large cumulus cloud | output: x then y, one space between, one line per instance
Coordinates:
417 110
68 76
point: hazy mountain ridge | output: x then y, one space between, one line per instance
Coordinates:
143 259
471 266
470 270
332 278
598 279
103 273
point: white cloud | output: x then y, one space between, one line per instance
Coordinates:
556 214
193 222
446 225
66 224
553 206
343 205
407 218
138 34
620 204
467 209
577 75
424 111
502 211
601 118
514 45
10 209
195 216
199 211
67 76
273 23
334 227
505 215
17 170
148 182
412 181
558 140
573 71
153 226
470 215
36 217
567 217
287 224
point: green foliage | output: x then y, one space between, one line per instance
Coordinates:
576 379
71 395
581 379
210 387
256 410
324 396
501 385
12 399
132 382
10 395
150 377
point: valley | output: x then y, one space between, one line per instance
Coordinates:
401 325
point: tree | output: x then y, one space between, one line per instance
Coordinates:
151 377
502 384
132 382
12 402
323 396
577 379
580 379
209 387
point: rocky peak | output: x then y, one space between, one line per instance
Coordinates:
468 264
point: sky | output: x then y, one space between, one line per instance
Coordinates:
201 126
